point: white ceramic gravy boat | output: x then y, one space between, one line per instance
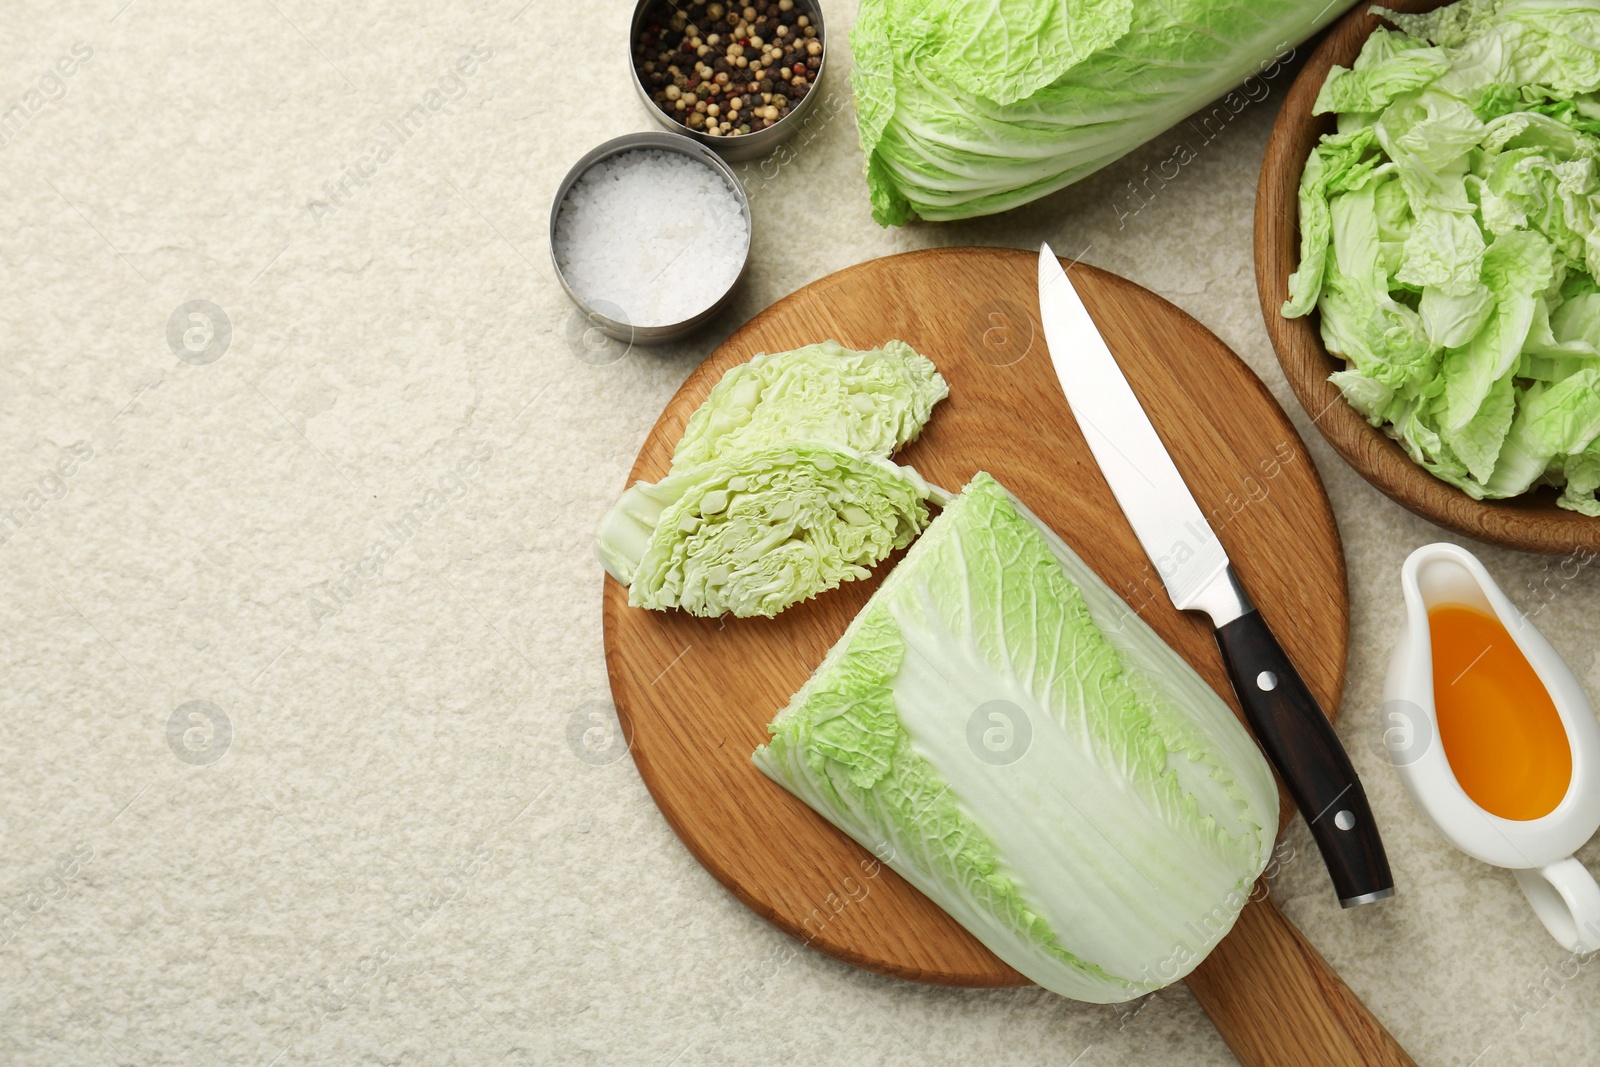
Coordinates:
1538 851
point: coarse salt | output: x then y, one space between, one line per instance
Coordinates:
651 237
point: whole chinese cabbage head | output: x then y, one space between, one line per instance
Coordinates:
969 107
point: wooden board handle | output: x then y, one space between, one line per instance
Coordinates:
1277 1003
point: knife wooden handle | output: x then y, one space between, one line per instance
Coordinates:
1277 1003
1301 745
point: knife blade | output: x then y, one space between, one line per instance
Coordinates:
1297 738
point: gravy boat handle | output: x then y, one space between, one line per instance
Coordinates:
1567 900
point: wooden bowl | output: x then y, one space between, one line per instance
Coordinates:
1532 522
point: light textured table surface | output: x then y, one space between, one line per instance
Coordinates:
359 529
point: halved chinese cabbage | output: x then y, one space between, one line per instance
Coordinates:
1009 737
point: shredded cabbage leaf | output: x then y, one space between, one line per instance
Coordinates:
1450 234
1009 737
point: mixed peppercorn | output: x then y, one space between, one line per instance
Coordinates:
725 69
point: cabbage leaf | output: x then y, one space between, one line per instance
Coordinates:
781 486
874 402
755 532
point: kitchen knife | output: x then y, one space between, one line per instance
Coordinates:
1296 736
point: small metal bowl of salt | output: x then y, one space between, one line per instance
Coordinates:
650 236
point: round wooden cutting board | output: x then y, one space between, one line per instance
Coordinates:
695 695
